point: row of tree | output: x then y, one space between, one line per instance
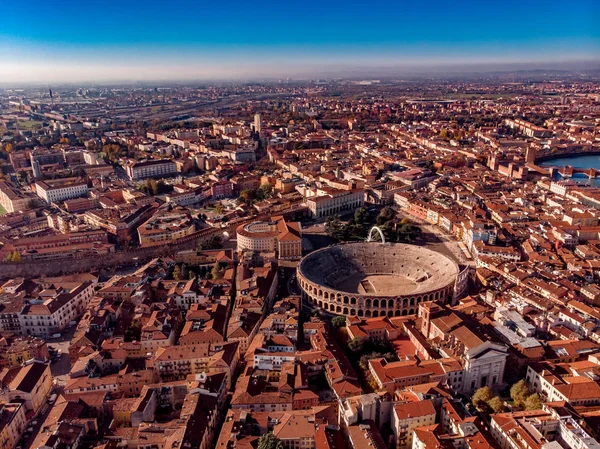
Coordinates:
14 257
249 197
358 226
365 349
154 187
183 272
522 398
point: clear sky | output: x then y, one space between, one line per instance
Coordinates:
68 40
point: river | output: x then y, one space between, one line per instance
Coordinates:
577 162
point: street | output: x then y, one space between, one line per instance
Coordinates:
61 367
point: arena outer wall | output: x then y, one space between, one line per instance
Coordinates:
373 258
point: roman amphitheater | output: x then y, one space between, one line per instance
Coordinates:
373 279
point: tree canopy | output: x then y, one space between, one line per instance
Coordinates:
519 393
496 404
339 321
482 397
533 402
269 441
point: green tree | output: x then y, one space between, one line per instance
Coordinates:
13 256
361 215
357 344
339 321
212 243
177 273
154 186
334 227
482 397
496 404
519 393
246 197
533 402
133 332
386 214
217 271
264 191
269 441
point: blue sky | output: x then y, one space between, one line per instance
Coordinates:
149 39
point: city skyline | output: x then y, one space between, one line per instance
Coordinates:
143 41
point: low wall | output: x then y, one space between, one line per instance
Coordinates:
10 270
87 264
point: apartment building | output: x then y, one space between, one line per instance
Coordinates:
161 168
178 362
539 429
54 191
12 424
334 201
408 416
49 315
578 387
166 225
12 199
30 384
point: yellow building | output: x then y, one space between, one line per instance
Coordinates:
12 424
31 383
408 416
23 349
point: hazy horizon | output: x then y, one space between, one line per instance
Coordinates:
192 40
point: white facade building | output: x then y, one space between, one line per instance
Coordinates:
60 192
52 315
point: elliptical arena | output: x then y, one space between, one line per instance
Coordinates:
371 279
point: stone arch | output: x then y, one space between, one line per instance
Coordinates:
368 314
326 306
338 309
390 303
368 303
375 314
353 300
390 313
345 312
320 304
352 312
411 312
346 300
404 312
360 312
397 313
375 303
